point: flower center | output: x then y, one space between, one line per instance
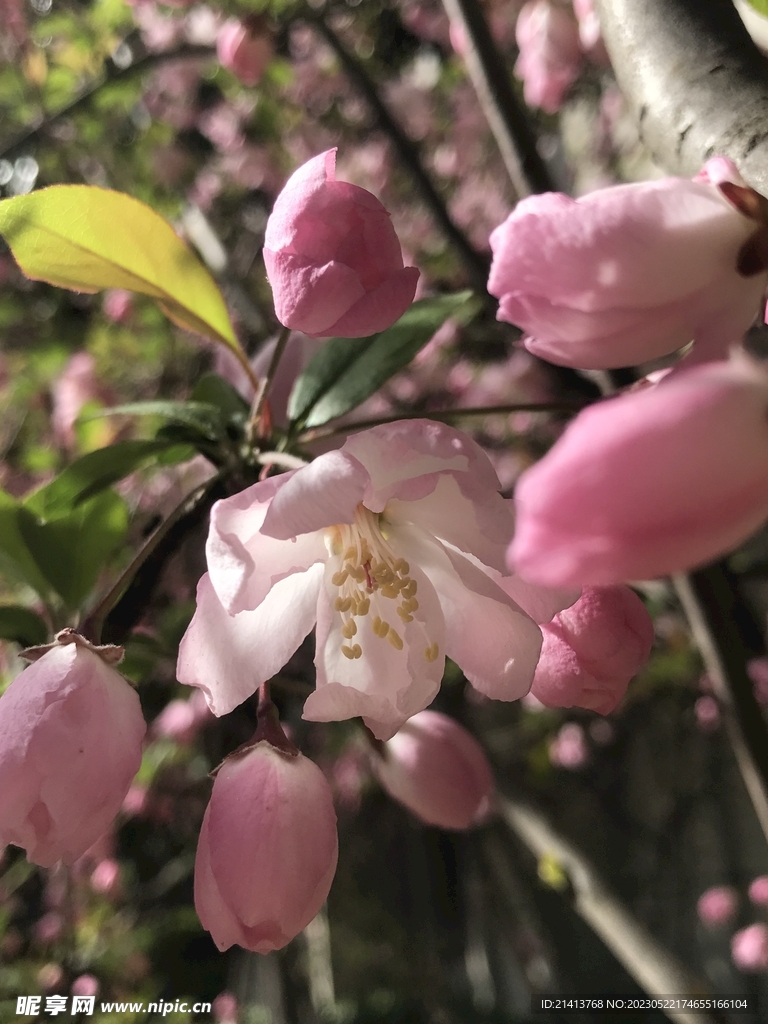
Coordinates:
371 570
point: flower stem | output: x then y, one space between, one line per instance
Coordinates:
443 415
259 407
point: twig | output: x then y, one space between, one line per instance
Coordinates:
505 116
708 601
475 263
262 391
442 415
113 73
654 968
697 82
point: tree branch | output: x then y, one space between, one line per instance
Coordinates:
505 115
696 81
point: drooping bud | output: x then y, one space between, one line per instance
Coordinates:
70 743
592 649
438 770
268 847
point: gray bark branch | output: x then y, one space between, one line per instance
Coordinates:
696 81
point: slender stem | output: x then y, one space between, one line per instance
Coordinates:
503 111
442 415
262 389
475 263
113 73
93 625
708 601
652 966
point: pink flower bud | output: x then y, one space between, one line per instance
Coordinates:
749 948
85 985
70 743
177 721
333 258
758 891
106 877
627 274
630 491
707 712
77 385
267 850
550 55
438 770
49 928
757 670
135 802
717 906
569 748
592 649
245 48
117 304
225 1008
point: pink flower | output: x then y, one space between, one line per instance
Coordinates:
77 385
245 48
757 670
85 985
438 771
333 258
590 35
550 55
117 304
569 747
651 483
707 712
394 545
106 877
225 1008
627 274
717 906
70 743
592 650
758 891
267 851
749 948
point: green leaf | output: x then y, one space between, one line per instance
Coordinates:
72 550
17 563
346 371
87 238
761 6
201 416
91 474
219 392
22 626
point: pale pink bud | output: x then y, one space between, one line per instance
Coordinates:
77 385
569 747
245 48
267 850
550 55
70 743
224 1008
106 877
757 670
438 770
707 712
177 721
717 906
85 985
749 948
135 802
634 272
592 650
758 891
333 258
117 304
630 491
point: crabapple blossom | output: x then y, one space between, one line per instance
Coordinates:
749 948
438 770
592 649
333 258
717 906
627 274
758 891
569 747
394 545
707 712
267 850
70 743
550 54
651 483
245 48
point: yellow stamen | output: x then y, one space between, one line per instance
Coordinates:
348 652
349 629
432 652
394 639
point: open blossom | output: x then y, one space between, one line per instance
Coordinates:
333 258
70 743
267 851
627 274
394 545
245 48
592 650
550 55
651 483
438 770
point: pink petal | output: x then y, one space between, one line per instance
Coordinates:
312 298
378 309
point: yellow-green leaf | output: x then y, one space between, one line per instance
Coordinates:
86 238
